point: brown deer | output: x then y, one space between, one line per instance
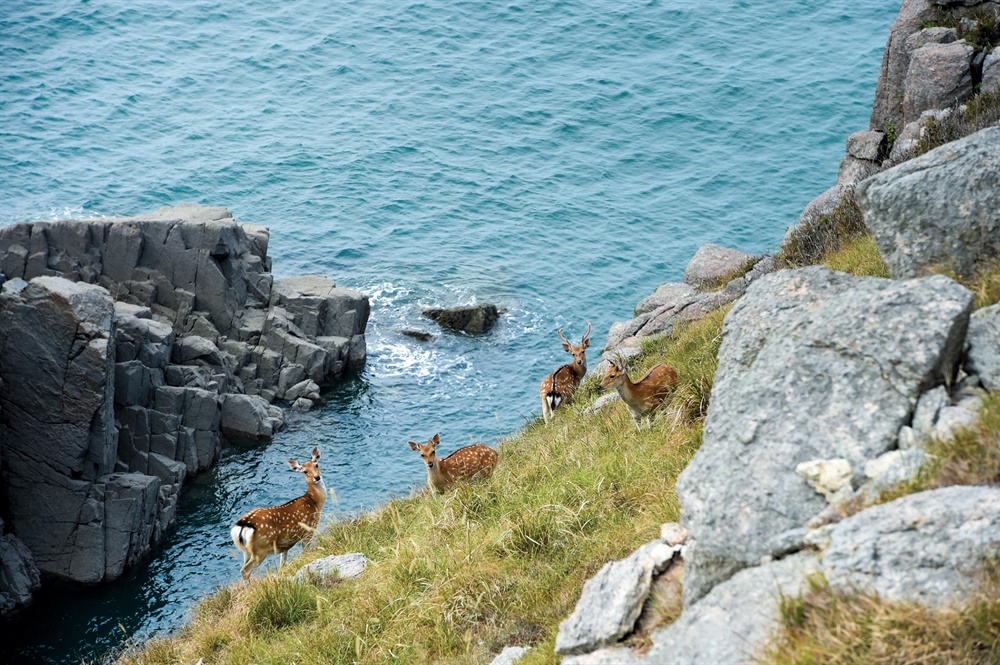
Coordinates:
275 530
559 386
645 395
476 461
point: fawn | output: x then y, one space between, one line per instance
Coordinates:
476 461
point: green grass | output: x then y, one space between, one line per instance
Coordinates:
858 256
827 626
456 577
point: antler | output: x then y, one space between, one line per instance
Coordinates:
619 361
565 341
586 335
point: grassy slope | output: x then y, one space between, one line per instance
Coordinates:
455 578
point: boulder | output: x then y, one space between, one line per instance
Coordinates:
670 294
510 655
612 600
886 109
344 566
475 319
246 417
19 576
983 355
926 547
319 308
853 170
929 405
940 208
713 263
991 71
814 364
867 144
939 76
824 204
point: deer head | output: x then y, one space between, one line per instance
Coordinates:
579 351
616 373
427 450
311 470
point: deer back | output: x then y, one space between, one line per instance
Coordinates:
468 462
279 528
655 386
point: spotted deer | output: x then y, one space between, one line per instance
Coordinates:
645 395
275 530
559 386
476 461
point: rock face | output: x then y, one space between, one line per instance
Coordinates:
154 338
983 356
940 208
612 600
924 547
475 319
814 365
938 76
19 577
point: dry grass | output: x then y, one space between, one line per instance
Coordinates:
980 112
985 286
810 244
827 626
456 577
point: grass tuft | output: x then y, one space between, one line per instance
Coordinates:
980 112
827 626
859 256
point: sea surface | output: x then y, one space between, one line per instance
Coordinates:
561 159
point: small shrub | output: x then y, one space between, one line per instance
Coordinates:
810 243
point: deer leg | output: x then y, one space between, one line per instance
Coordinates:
249 566
282 559
546 413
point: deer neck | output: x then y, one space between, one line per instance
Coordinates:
578 370
316 493
436 477
628 392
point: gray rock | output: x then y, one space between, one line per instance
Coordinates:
712 263
886 110
940 208
952 419
510 655
928 406
925 547
612 600
991 71
867 144
814 365
321 309
193 347
345 566
930 36
895 467
735 618
983 355
671 293
623 330
672 533
939 76
19 576
245 417
421 335
601 402
824 204
476 319
307 388
854 170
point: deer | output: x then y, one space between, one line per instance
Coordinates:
644 396
558 387
475 461
275 530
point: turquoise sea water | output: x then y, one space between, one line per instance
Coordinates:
561 159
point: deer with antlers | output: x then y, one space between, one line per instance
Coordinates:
644 396
558 387
476 461
275 530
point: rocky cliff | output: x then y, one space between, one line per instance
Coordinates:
832 388
130 351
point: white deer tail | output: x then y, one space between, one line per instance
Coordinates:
241 535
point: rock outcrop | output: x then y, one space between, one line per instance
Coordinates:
814 365
129 350
472 319
942 208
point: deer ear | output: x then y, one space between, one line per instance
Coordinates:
315 457
413 444
586 343
567 348
295 465
436 440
